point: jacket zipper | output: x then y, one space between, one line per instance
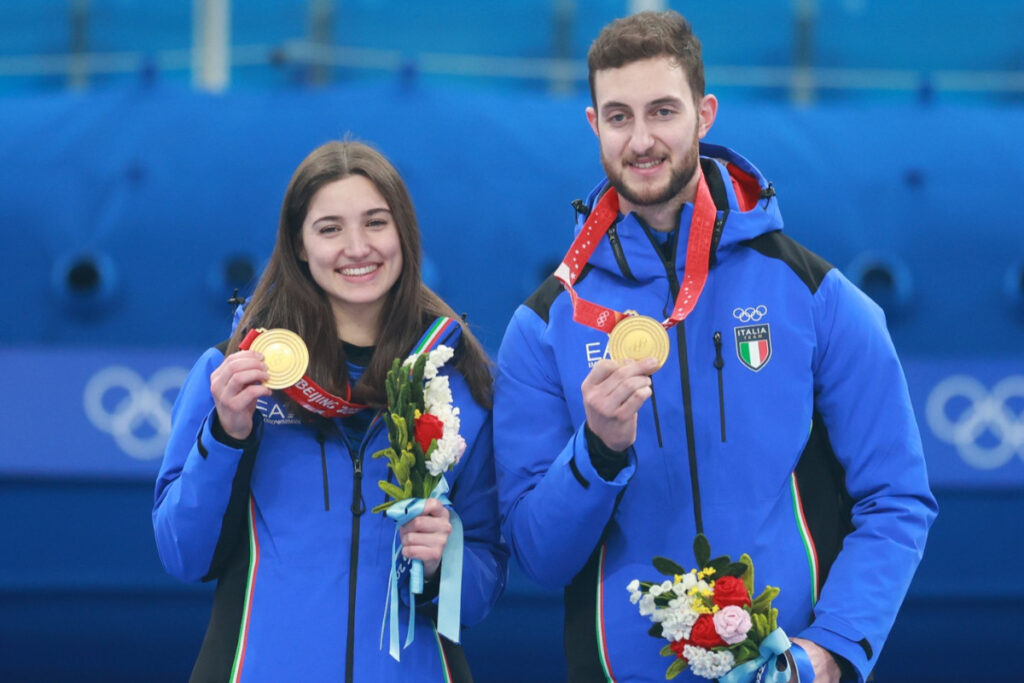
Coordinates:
321 438
684 381
357 508
719 364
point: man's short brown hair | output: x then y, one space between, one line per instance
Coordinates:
646 35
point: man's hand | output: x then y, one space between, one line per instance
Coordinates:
612 395
826 670
236 385
424 536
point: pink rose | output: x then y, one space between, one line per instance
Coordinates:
732 624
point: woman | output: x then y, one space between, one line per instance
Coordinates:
273 501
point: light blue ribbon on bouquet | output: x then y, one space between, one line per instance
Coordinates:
774 644
449 595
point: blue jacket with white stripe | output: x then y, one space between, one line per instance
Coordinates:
785 423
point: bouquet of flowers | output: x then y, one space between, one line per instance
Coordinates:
713 623
424 443
423 426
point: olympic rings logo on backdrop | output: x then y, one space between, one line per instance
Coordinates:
987 427
135 412
750 315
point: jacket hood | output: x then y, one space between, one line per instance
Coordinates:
745 200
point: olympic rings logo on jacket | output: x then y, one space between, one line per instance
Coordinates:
989 429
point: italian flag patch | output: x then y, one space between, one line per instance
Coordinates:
754 345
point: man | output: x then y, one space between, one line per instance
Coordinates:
779 425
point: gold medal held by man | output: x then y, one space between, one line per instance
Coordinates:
636 337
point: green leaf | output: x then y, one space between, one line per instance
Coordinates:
759 627
718 564
383 506
667 651
764 601
744 651
389 452
667 566
675 668
773 619
734 569
748 576
655 630
701 550
392 490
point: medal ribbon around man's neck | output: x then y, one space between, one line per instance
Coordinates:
602 216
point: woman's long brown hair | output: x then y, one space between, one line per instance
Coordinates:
287 296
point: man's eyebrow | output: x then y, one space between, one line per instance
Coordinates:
613 105
664 100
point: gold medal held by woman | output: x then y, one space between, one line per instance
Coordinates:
636 337
285 355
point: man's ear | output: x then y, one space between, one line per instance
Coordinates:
592 120
706 111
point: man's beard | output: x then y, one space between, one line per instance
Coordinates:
678 178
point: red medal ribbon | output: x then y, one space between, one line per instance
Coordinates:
602 216
311 395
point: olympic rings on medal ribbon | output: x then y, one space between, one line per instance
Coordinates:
990 429
750 314
136 413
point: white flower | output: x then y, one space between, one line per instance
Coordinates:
438 357
647 605
679 619
655 590
437 394
708 664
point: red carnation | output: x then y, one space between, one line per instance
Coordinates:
703 633
731 591
428 427
678 646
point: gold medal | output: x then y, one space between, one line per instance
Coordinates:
637 337
285 355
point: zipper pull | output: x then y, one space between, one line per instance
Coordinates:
358 505
719 363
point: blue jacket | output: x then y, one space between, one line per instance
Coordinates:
284 525
782 394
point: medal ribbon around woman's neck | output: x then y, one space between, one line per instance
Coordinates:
632 336
286 358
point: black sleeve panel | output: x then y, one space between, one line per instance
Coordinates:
808 266
827 505
233 526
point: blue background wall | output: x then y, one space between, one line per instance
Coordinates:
130 211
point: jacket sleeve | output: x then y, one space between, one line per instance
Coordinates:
861 393
202 490
554 505
475 499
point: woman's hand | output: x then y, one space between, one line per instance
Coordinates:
424 537
236 385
